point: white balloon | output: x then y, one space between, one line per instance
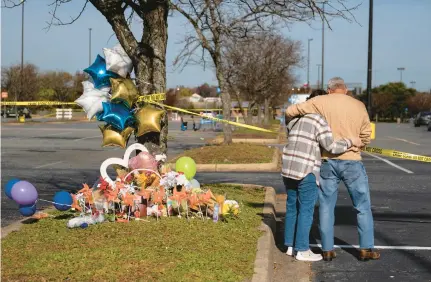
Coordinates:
124 162
117 60
194 183
92 98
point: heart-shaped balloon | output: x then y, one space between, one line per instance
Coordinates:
124 162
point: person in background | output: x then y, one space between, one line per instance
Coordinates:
301 170
347 118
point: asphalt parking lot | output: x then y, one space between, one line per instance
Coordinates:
63 156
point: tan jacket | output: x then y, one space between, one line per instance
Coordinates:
346 116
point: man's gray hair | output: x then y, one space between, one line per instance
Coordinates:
336 83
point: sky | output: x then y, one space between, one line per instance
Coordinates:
401 39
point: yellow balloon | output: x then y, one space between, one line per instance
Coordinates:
124 90
114 137
148 120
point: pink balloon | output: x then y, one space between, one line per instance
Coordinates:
143 160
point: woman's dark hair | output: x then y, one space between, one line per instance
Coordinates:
317 92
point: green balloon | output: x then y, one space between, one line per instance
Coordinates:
187 166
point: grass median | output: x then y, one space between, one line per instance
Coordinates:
170 249
238 153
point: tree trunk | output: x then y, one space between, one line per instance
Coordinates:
148 55
267 113
249 119
226 103
150 69
259 114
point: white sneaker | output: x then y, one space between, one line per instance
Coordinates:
289 251
308 256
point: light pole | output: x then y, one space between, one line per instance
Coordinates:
318 75
370 58
308 64
401 73
323 45
413 83
22 59
89 46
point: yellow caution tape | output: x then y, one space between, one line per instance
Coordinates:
36 103
152 97
145 98
397 154
216 119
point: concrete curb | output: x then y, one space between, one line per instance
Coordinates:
17 225
258 167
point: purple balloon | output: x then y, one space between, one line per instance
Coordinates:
24 193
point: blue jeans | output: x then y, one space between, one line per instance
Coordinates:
354 176
301 198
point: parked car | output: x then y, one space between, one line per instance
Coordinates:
423 118
10 112
429 126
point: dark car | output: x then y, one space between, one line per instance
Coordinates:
423 118
10 112
429 126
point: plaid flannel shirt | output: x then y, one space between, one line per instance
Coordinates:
301 155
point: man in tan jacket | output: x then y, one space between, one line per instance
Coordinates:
347 118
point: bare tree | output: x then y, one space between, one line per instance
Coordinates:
259 69
215 21
147 53
23 88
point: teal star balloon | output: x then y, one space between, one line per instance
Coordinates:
117 115
99 74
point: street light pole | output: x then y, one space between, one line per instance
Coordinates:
308 64
89 46
318 75
323 45
22 59
370 57
401 73
413 83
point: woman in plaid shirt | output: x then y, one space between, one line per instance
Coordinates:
301 172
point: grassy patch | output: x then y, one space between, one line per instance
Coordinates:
239 153
245 133
170 249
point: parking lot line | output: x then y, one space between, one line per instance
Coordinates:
45 165
415 248
404 140
389 163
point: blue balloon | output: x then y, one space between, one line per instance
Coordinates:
63 200
27 210
99 74
9 185
117 115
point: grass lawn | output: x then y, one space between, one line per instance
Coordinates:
238 153
170 249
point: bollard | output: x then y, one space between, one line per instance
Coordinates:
398 120
21 118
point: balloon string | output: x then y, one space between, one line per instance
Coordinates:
52 202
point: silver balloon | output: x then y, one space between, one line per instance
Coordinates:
117 60
92 98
